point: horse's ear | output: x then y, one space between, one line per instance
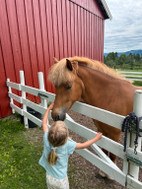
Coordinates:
55 60
69 65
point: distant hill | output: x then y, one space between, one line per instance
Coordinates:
127 52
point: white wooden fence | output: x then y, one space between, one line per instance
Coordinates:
129 175
130 75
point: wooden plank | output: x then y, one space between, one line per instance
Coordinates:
88 134
90 6
34 106
15 97
32 118
45 41
64 24
35 92
72 28
50 33
60 29
105 142
138 156
16 108
38 34
55 28
69 28
79 32
6 42
4 99
95 160
130 72
76 31
14 85
137 76
94 37
104 116
133 79
104 157
32 40
83 33
24 40
133 183
14 33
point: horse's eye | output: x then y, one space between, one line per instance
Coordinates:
68 87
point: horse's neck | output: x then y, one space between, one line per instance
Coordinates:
94 84
101 89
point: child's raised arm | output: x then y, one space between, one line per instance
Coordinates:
44 121
89 142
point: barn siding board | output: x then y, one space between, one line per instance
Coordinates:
91 6
79 31
72 28
50 40
32 41
68 28
24 39
64 25
76 30
4 100
44 30
34 31
60 29
55 29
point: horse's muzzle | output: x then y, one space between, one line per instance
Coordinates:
58 117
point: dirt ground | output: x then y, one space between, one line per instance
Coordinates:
85 174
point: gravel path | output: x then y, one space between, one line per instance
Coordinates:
85 174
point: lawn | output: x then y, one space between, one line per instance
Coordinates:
20 151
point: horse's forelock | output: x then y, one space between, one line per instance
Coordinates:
59 73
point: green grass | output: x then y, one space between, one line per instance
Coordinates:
137 83
19 157
20 151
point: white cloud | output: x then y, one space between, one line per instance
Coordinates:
124 31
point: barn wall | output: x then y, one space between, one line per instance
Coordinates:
32 32
91 6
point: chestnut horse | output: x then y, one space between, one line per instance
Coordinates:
83 79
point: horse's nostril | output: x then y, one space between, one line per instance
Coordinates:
62 117
57 118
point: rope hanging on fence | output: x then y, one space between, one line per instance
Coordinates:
131 123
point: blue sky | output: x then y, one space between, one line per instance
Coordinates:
124 31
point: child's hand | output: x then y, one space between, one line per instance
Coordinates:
99 136
51 106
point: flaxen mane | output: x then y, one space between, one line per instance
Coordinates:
59 73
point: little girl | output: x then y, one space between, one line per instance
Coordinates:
57 149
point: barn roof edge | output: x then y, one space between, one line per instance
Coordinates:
105 9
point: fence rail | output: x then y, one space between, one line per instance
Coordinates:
135 76
100 160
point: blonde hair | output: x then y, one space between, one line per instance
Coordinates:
57 136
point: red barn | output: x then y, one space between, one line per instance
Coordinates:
32 32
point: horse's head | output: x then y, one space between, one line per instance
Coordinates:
68 87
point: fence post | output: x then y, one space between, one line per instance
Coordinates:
11 99
22 80
137 108
42 88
